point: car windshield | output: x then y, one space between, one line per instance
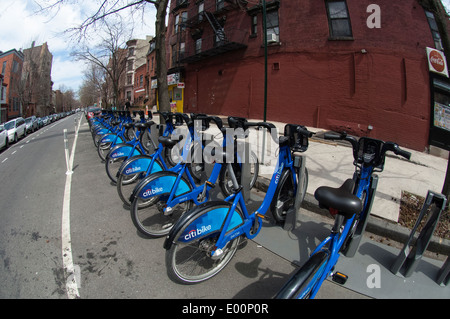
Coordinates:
94 109
9 125
28 120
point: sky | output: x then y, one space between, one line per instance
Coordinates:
20 26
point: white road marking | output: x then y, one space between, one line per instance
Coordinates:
5 160
72 278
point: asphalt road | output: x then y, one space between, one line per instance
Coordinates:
112 260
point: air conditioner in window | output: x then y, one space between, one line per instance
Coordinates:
271 38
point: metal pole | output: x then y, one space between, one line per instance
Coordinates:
265 76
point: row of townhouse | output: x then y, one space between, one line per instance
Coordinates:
26 85
136 65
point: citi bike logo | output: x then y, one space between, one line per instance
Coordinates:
132 170
197 232
118 154
152 191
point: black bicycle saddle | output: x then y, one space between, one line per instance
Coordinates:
341 198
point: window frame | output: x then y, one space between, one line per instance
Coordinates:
333 35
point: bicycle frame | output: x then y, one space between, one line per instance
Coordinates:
337 237
132 167
250 224
178 187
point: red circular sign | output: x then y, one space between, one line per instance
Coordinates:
437 61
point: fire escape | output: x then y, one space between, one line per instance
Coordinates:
209 34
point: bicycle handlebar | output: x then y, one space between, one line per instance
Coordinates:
393 147
217 120
378 151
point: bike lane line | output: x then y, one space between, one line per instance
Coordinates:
72 283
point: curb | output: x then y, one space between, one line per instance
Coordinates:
375 225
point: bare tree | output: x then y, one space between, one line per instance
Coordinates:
93 85
111 7
109 56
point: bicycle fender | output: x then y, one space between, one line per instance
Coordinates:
137 164
103 131
123 150
203 224
160 183
285 174
111 137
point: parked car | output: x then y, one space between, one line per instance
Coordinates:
40 122
45 120
4 140
16 129
93 111
32 124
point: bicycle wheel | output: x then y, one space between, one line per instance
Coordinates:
284 196
300 285
103 149
148 215
112 166
126 183
191 262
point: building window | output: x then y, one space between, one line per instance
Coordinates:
220 4
434 30
182 51
4 68
198 45
272 25
254 26
130 51
338 20
130 65
179 21
129 80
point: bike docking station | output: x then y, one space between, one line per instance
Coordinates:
411 254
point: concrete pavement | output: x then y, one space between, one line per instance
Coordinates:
330 163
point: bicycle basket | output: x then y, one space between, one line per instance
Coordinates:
296 141
370 152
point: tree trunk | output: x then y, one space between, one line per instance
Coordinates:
160 46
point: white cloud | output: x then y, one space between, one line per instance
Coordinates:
20 26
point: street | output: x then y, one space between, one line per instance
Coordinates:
110 259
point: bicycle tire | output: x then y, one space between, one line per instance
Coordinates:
191 263
112 166
126 184
299 286
103 149
150 220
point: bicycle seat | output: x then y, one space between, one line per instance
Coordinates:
167 141
144 125
340 198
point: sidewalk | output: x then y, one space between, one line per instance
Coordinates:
330 163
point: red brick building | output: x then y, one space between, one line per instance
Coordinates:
11 63
331 64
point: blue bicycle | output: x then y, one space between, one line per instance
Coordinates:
134 169
171 192
204 240
350 204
